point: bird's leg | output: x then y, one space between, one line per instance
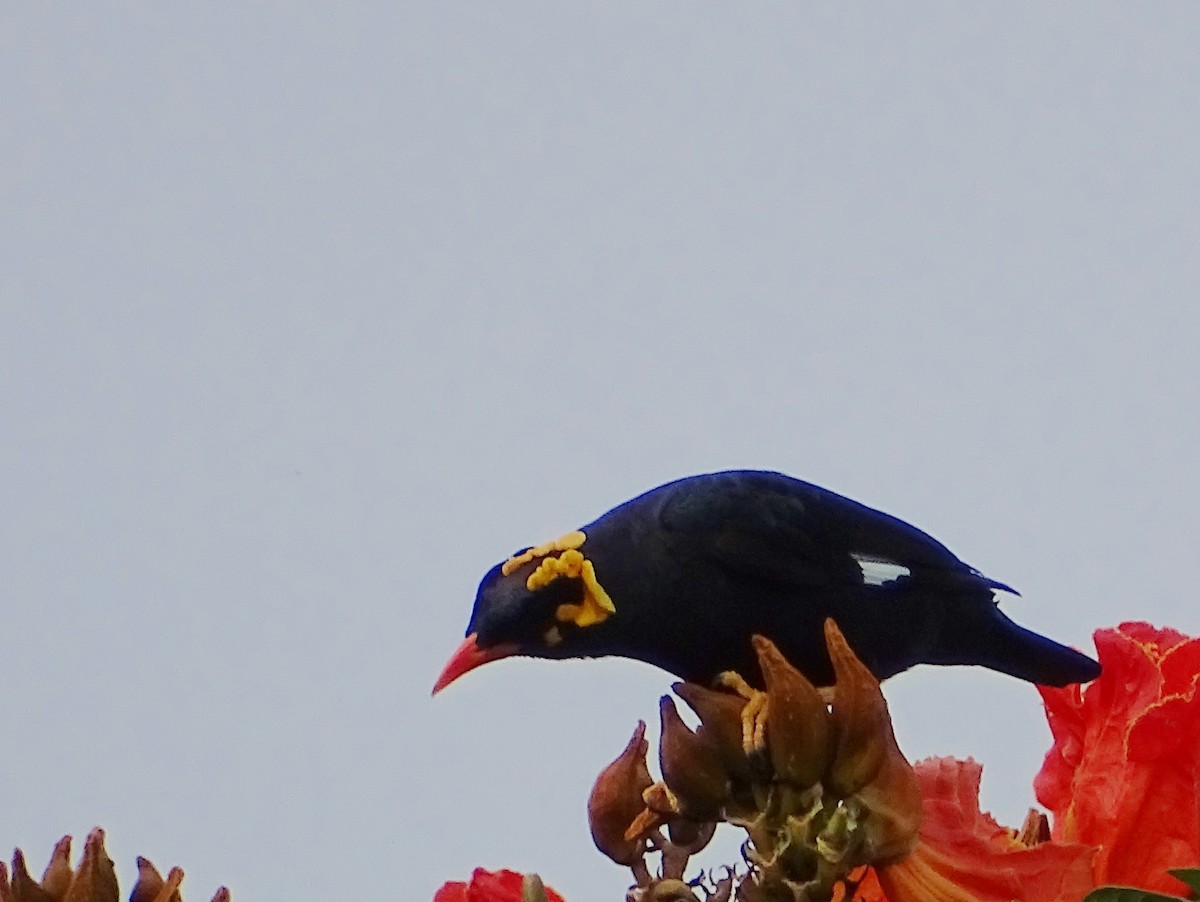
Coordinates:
754 714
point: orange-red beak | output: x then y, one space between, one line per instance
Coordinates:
468 656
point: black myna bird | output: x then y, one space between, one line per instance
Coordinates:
683 576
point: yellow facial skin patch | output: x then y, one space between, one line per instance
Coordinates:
569 542
596 606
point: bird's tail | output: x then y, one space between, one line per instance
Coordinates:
998 643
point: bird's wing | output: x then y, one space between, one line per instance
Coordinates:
770 527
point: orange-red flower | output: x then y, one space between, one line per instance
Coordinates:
963 855
489 886
1122 781
1124 772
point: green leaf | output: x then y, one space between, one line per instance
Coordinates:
1190 876
1126 894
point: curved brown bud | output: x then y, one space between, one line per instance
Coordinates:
799 730
56 879
720 716
24 887
149 882
616 800
691 767
861 725
95 880
868 763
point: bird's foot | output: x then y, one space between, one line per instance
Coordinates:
754 714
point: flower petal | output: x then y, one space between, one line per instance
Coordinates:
963 854
488 886
1124 772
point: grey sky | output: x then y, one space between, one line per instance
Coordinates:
311 313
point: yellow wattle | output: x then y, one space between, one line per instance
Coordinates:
570 563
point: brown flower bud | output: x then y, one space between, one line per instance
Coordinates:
691 767
720 716
616 800
149 881
868 764
56 879
799 730
24 887
860 719
151 887
95 880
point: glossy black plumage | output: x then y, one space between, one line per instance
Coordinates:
696 566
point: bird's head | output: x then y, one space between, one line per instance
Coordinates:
541 602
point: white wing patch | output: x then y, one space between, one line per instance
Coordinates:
877 571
